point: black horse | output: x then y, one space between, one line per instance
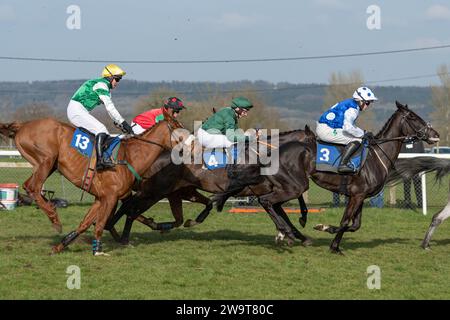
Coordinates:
383 151
180 182
408 168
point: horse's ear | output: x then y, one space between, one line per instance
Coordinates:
400 106
307 129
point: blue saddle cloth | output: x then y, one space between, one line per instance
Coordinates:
329 156
217 158
83 141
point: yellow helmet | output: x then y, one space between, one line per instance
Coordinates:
112 70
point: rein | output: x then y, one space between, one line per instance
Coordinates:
130 167
419 134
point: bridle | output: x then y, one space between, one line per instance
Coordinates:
172 133
419 134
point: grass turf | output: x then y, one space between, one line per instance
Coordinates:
229 256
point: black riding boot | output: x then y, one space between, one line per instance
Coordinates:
102 162
346 155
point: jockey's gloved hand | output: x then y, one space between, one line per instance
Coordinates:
368 135
126 128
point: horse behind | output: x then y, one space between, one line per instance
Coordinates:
408 168
45 144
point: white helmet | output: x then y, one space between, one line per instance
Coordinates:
364 94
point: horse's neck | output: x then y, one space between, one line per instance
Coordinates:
390 149
141 154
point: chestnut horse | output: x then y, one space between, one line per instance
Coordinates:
45 143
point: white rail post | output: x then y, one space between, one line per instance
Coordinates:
424 193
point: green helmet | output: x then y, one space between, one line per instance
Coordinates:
241 102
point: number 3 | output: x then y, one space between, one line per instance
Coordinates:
325 154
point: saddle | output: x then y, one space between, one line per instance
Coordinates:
219 157
83 141
329 155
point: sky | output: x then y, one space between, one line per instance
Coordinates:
187 30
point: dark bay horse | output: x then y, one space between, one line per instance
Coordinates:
45 143
178 182
384 150
408 168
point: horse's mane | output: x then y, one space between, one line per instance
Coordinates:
291 131
387 124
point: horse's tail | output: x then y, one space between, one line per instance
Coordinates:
407 168
10 129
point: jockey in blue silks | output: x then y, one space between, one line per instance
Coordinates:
337 125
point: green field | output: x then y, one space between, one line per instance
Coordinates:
229 256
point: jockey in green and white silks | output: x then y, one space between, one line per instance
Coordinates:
91 94
219 131
337 124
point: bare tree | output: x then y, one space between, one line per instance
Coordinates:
440 96
33 111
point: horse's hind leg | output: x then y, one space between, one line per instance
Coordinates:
195 196
438 218
305 240
304 211
281 225
33 186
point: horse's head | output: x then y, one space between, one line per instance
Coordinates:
177 131
414 126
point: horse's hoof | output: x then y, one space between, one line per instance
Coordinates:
307 242
426 247
279 238
290 242
336 251
57 249
321 227
189 223
302 222
101 253
57 227
124 242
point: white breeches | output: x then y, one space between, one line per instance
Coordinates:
213 140
327 134
137 129
80 117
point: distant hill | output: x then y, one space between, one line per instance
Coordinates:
298 103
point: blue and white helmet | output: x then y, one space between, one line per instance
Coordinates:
364 94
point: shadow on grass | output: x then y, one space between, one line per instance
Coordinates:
227 238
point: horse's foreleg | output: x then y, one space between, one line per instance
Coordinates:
33 187
108 206
176 207
88 219
354 204
438 218
356 220
134 208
